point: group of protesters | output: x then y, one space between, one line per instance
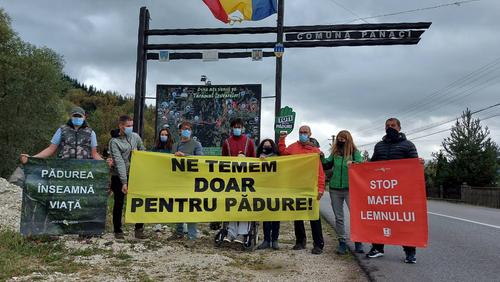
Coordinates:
76 140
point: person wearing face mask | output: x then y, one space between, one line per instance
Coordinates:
121 145
186 147
74 140
163 144
343 154
238 145
266 149
305 146
394 146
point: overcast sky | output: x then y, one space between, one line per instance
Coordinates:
456 64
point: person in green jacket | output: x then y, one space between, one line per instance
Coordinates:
343 153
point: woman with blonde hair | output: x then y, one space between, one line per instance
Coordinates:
342 154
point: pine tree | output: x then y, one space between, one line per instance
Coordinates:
470 152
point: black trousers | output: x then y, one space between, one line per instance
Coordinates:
271 230
116 187
317 233
407 249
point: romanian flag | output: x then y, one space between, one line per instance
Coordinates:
252 10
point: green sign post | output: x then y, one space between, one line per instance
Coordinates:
285 121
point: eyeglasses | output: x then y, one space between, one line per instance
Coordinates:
77 116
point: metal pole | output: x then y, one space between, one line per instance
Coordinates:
279 61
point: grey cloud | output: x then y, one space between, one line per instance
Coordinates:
331 88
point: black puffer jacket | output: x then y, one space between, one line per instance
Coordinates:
394 149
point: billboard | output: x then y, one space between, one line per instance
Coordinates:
210 108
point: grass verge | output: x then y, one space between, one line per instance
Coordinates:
22 256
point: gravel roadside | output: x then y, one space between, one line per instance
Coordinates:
158 259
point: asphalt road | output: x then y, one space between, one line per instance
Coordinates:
464 245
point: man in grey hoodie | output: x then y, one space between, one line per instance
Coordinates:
121 145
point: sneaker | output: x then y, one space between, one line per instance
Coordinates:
264 245
358 248
410 258
274 245
139 234
119 235
298 246
373 253
239 239
342 248
316 251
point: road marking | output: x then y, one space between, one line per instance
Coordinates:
466 220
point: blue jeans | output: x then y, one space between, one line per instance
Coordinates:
192 232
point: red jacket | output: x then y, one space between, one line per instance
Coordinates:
299 148
233 145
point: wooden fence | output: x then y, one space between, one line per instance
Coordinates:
481 196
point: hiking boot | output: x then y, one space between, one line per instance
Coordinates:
264 245
139 234
316 251
358 248
175 236
239 239
410 258
119 235
298 246
374 253
342 248
274 245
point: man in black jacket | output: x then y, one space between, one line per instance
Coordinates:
394 146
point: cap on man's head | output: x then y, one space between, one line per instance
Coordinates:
78 110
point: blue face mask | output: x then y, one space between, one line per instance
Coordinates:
237 131
128 130
303 138
76 121
186 133
163 138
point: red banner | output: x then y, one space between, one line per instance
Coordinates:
388 203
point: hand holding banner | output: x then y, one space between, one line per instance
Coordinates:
64 196
388 203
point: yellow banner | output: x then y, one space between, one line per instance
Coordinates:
164 188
